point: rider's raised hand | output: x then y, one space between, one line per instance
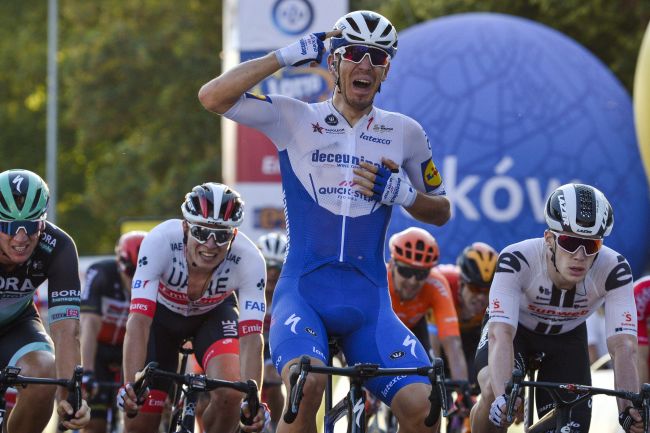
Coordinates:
308 49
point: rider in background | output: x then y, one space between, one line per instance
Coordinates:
183 288
642 298
470 279
416 287
105 301
32 251
273 247
543 291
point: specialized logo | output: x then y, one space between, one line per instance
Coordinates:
292 321
18 180
410 342
430 175
372 139
317 128
358 410
397 354
310 331
331 120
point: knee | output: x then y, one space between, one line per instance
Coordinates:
313 391
38 364
225 399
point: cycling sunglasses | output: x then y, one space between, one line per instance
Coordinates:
408 272
202 234
11 228
356 53
571 244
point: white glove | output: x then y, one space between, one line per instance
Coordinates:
393 188
497 416
307 49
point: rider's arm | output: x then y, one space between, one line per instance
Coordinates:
221 93
446 316
623 350
252 308
91 323
64 290
430 206
500 355
154 255
91 315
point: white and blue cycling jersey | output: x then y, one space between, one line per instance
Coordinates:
328 220
333 283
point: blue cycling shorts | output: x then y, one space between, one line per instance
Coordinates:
336 300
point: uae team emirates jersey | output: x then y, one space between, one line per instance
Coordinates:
327 219
522 292
162 273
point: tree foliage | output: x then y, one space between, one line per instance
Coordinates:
133 137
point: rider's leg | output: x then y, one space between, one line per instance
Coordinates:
479 416
411 406
305 422
34 404
274 395
222 413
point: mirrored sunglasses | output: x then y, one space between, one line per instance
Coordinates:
571 244
202 234
408 272
30 227
356 53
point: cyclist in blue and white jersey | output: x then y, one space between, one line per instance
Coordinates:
32 251
344 164
542 293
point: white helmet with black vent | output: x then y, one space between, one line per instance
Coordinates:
273 247
213 203
365 28
580 210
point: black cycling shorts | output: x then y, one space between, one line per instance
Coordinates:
23 335
566 360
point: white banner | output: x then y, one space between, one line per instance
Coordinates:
270 24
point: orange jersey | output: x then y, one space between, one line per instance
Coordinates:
435 295
452 274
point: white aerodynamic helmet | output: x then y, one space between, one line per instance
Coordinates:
581 210
273 247
213 203
365 28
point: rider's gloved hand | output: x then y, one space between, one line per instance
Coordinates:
392 187
498 411
127 400
309 48
261 421
630 418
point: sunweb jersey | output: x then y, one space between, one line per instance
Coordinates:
327 219
523 293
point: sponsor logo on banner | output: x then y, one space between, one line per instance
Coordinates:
293 17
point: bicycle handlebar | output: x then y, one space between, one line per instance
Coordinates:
640 400
198 383
435 373
10 377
